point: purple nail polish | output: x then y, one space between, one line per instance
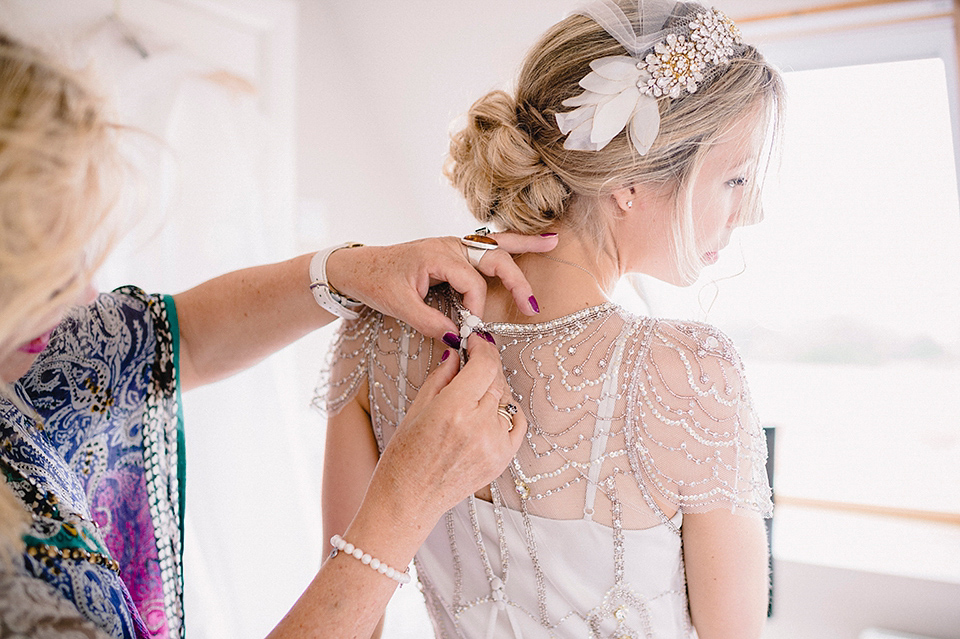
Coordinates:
451 340
534 305
444 357
548 235
487 336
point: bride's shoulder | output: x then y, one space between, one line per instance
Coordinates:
698 338
686 351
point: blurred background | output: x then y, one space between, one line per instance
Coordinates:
276 127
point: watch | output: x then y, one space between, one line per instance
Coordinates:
329 298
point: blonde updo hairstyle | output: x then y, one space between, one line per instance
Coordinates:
60 171
510 164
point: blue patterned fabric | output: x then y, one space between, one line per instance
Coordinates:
102 468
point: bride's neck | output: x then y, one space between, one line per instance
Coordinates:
575 275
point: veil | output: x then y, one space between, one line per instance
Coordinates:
639 36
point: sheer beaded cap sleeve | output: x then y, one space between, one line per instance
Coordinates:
347 363
700 443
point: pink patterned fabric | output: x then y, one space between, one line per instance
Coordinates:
106 390
120 508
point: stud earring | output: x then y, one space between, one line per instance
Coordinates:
630 204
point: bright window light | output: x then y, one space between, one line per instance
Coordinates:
847 309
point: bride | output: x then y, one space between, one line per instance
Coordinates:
638 132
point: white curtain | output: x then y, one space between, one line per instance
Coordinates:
252 519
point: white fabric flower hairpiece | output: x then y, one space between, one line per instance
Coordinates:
622 89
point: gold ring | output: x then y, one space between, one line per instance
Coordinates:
507 411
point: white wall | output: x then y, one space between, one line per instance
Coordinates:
379 85
817 602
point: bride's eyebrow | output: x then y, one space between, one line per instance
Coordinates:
743 162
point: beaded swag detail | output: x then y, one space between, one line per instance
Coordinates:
632 422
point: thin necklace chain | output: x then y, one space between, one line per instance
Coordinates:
575 265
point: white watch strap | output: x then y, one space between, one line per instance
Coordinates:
327 297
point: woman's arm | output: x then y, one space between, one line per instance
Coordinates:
350 457
716 465
451 443
725 555
233 321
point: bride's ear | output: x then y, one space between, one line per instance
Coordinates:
625 198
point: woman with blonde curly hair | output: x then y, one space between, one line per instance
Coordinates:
638 132
91 437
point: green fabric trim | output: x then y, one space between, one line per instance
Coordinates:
69 537
181 439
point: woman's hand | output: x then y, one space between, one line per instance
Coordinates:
233 321
395 279
452 441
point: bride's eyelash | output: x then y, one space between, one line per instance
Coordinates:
738 181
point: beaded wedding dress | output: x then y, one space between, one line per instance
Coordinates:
633 422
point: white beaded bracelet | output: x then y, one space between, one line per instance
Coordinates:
342 545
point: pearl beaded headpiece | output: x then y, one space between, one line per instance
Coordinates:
663 62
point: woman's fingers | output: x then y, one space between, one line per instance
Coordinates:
500 264
395 279
481 377
436 381
411 309
497 263
516 243
453 441
498 392
478 390
519 431
482 372
452 267
463 388
516 430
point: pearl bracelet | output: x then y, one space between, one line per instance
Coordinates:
342 545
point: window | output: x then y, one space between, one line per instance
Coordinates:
846 307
